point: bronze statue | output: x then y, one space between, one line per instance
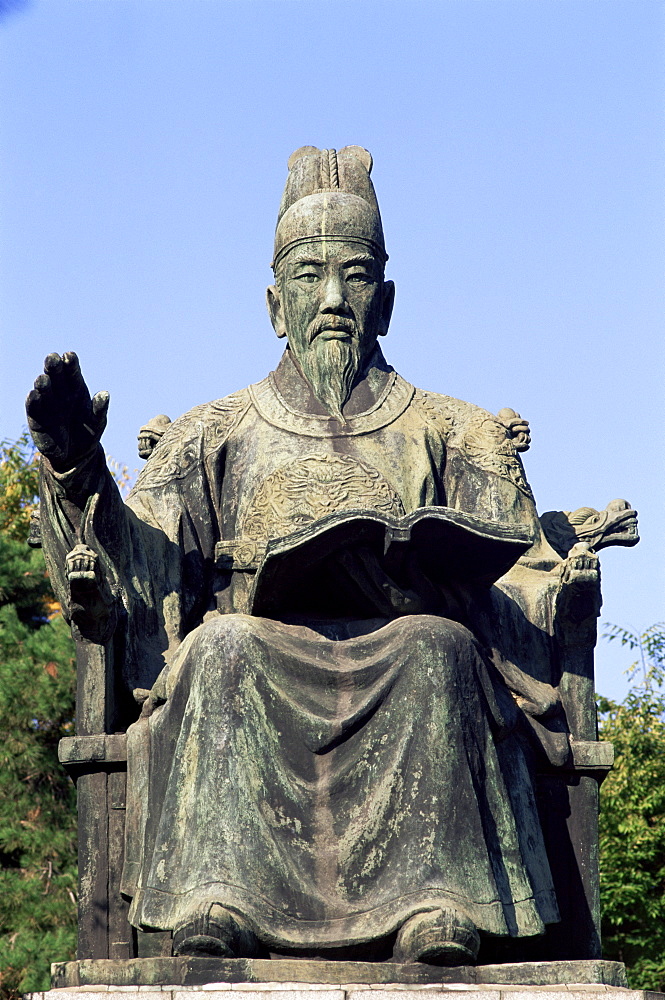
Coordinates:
351 639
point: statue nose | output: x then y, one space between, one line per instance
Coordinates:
333 295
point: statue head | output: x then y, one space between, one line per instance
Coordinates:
330 298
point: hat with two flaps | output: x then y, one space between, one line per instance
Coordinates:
329 194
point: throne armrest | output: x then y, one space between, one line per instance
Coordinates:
93 752
594 757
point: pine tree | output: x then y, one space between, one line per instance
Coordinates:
37 799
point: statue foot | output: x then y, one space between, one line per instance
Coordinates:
438 937
214 931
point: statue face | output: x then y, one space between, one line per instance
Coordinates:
331 303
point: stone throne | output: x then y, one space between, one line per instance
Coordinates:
568 761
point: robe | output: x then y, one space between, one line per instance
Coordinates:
325 779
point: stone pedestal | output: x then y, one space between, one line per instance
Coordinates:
172 973
297 979
351 991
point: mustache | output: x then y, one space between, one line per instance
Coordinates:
342 324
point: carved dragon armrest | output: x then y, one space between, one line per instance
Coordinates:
563 599
615 525
577 536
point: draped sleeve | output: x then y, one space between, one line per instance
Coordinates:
156 550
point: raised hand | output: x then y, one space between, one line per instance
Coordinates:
65 423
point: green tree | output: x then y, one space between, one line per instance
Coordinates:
632 817
37 799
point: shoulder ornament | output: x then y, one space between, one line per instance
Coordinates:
190 438
443 413
486 443
223 417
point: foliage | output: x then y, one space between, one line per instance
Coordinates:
632 819
122 475
19 486
37 799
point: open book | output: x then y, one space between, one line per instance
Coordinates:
339 566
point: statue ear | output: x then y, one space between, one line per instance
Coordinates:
387 307
274 303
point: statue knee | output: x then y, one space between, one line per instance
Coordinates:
440 634
233 630
218 651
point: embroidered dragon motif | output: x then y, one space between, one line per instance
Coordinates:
306 490
486 443
190 438
483 439
441 412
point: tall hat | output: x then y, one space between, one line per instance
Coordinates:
329 193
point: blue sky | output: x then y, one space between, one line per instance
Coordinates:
518 149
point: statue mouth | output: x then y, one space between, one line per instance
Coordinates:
334 333
332 328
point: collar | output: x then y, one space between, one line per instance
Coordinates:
274 409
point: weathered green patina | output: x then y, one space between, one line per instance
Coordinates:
341 763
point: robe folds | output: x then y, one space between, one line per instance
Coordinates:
343 784
326 780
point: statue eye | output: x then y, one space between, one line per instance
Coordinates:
359 278
309 277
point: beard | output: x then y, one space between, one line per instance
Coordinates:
331 365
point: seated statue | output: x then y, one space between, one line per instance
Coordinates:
333 598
